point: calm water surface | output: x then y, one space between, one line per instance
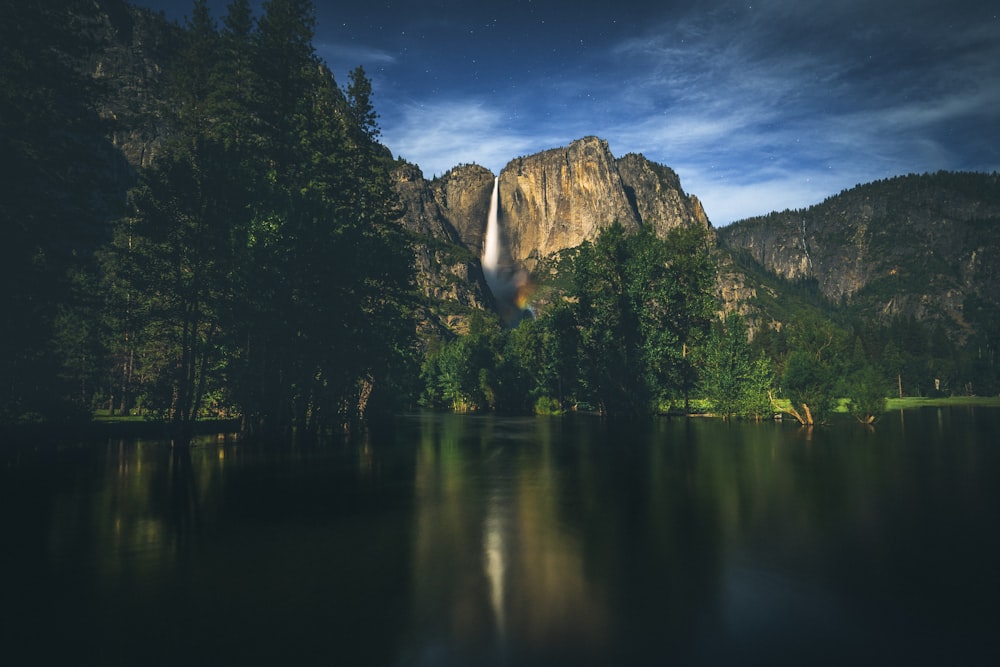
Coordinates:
448 540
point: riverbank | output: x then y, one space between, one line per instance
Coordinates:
909 402
106 427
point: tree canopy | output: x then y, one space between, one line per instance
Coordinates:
259 269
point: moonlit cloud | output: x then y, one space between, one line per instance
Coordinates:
444 134
346 57
758 106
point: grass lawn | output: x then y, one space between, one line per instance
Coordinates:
103 418
950 401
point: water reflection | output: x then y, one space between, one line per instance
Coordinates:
577 542
499 574
448 540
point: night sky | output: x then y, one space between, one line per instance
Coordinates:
758 105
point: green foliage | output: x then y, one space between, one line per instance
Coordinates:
619 339
55 194
641 304
735 382
866 395
546 405
263 270
462 374
809 383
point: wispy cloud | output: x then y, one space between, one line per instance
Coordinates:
348 56
757 108
446 133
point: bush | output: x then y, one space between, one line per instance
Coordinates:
546 405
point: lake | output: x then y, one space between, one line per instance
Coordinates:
458 540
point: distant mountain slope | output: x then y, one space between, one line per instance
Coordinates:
924 246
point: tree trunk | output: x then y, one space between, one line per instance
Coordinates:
809 417
803 420
367 384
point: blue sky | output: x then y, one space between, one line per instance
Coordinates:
758 105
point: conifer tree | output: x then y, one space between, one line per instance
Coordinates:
51 208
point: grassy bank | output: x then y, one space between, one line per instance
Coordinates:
950 401
102 426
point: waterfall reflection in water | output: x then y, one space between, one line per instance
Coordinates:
451 540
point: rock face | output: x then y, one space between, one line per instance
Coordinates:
136 48
913 245
655 193
559 198
463 197
548 202
449 274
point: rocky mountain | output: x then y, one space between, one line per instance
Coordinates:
442 217
914 245
921 246
135 48
559 198
549 201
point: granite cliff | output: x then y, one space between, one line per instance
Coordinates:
442 219
559 198
548 202
918 246
135 48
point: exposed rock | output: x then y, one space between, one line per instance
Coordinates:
463 197
911 245
559 198
449 275
136 48
657 197
548 202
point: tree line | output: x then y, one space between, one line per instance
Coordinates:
258 269
620 336
634 328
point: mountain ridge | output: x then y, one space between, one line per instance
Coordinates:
911 245
861 252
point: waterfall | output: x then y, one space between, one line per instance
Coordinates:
491 245
510 286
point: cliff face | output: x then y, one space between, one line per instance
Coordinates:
559 198
463 197
655 194
548 202
136 47
449 274
913 245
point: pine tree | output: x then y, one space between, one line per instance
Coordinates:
51 210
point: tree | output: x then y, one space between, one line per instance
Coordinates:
809 384
732 378
362 114
461 374
691 303
641 304
866 394
611 366
52 209
176 262
263 261
812 370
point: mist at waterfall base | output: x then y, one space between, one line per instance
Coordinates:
511 287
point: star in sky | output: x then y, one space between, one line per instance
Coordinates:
758 106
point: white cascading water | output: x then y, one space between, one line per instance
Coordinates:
510 287
491 246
